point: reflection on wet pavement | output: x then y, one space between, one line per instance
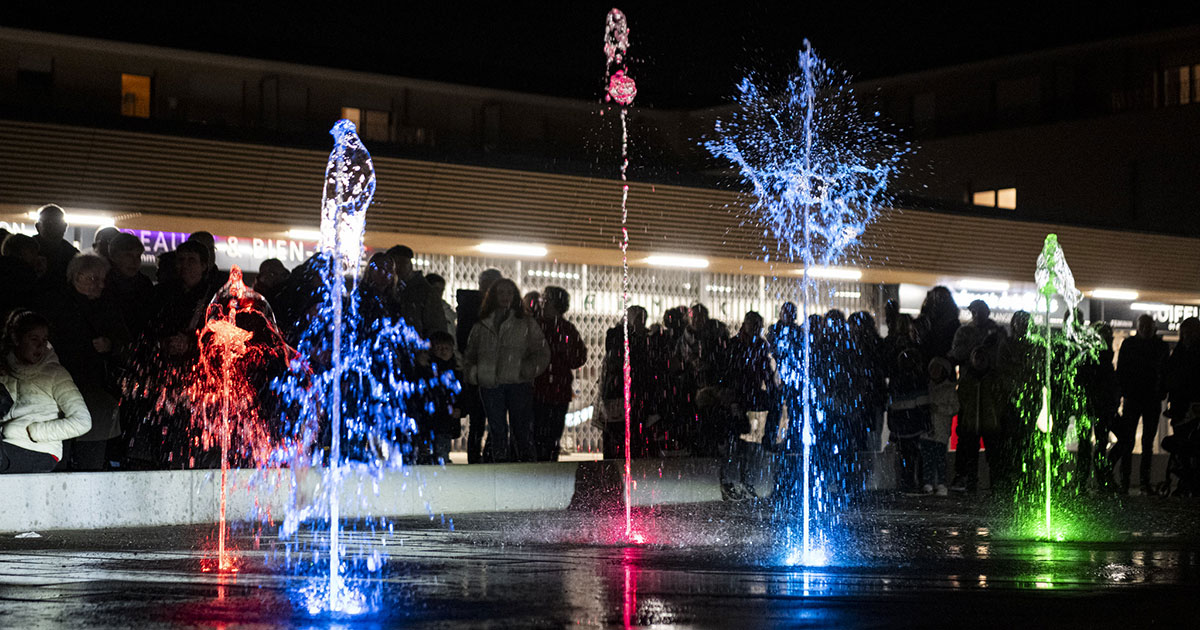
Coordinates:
902 563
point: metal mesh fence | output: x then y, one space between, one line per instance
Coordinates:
596 306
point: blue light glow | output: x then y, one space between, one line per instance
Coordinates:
350 398
818 172
813 557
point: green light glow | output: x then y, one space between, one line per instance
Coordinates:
1048 401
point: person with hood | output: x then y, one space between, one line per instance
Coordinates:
506 351
46 407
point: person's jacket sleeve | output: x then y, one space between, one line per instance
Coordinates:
434 317
470 365
75 421
537 351
576 350
960 348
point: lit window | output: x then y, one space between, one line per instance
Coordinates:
372 124
985 198
1179 85
135 95
1005 198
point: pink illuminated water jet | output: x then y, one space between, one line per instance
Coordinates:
622 89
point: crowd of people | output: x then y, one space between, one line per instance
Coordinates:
97 355
931 379
986 381
91 344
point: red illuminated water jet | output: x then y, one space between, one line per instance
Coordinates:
238 346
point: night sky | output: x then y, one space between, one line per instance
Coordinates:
685 54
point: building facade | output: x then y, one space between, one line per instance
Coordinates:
164 142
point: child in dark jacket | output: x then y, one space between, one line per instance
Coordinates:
439 421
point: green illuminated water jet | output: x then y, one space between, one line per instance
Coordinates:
1074 344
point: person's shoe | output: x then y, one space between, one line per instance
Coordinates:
927 488
958 485
941 490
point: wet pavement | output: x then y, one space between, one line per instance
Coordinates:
899 562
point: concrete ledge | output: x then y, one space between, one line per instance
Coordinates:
160 498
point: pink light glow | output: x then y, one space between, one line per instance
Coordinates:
629 599
621 88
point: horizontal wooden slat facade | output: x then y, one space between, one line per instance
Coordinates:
130 172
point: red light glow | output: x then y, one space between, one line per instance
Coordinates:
238 343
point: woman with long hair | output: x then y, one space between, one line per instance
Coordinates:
506 351
937 323
45 407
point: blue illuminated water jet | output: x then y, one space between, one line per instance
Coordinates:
350 397
818 171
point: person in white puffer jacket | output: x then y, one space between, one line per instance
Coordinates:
505 353
46 406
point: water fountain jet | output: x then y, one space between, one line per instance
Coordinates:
818 172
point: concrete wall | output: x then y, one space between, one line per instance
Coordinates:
159 498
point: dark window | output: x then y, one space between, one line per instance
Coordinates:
35 78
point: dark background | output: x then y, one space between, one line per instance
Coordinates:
685 54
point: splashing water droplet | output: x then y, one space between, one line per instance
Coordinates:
819 174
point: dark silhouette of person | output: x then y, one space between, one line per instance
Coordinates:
51 227
469 303
552 391
1140 370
